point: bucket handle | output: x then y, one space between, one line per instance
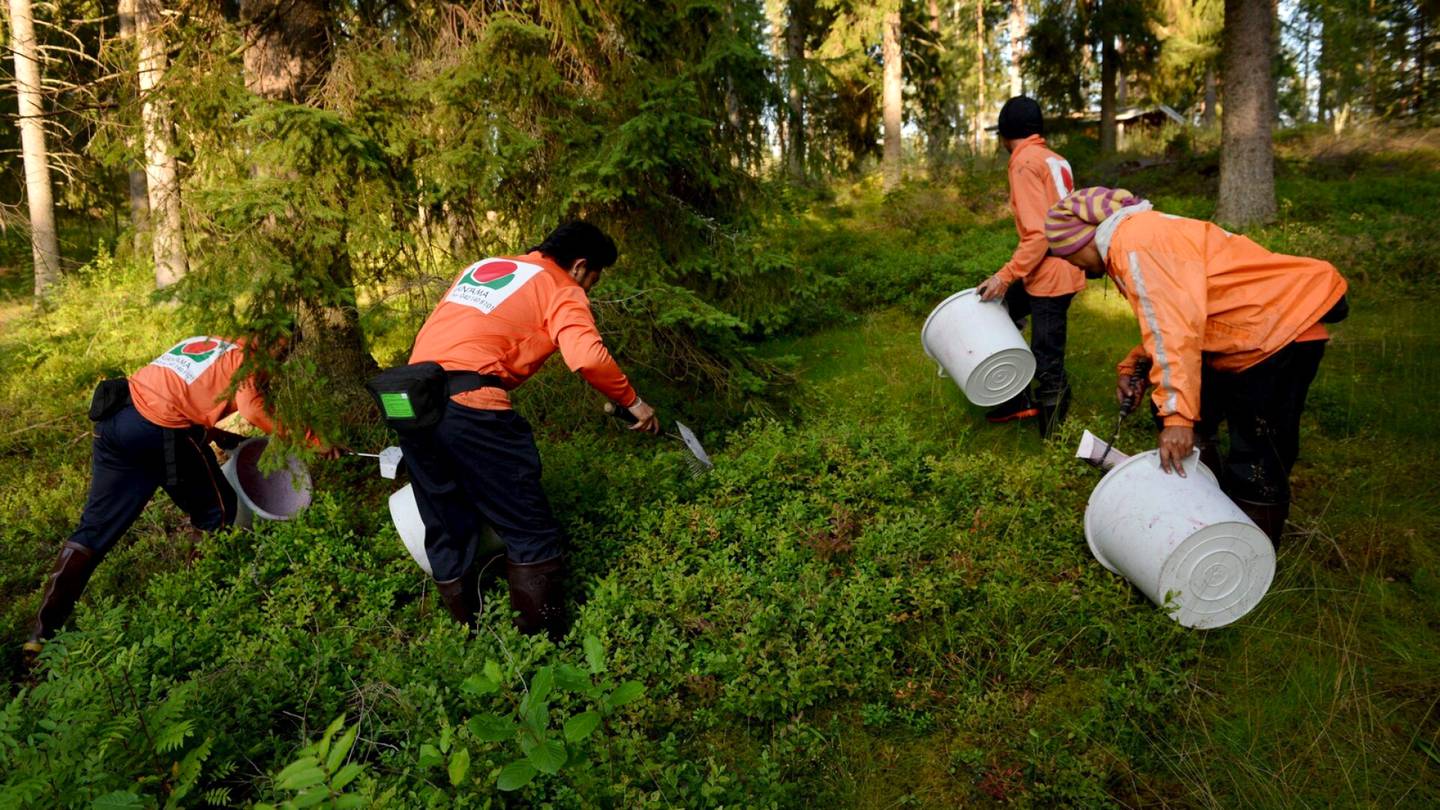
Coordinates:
940 371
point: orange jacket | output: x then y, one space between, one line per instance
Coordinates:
505 316
1038 179
186 386
1203 294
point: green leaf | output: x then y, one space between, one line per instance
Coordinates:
627 692
118 800
311 797
595 654
301 773
572 678
541 685
346 775
479 685
515 775
335 726
350 800
581 726
341 749
548 756
492 671
491 728
537 718
459 766
445 738
430 756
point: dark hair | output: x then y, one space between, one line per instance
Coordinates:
579 239
1020 118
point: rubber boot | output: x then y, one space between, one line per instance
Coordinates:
1017 407
1270 517
62 590
1052 413
462 598
537 593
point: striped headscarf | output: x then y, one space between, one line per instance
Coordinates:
1070 224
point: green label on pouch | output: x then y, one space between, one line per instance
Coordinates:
397 406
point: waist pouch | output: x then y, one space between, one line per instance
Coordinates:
1339 312
412 398
110 396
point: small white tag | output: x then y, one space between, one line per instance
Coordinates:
390 461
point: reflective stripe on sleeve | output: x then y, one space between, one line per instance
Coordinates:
1161 358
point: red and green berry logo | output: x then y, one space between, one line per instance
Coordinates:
493 275
198 350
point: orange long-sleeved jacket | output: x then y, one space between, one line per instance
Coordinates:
186 386
1204 295
1039 178
505 316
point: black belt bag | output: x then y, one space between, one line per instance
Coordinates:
110 396
412 398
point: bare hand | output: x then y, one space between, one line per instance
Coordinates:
645 418
992 288
1176 442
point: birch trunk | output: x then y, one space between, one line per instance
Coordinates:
138 189
894 84
44 245
162 176
1019 30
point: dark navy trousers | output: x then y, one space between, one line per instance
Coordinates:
1047 337
127 465
477 467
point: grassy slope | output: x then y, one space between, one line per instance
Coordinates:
888 602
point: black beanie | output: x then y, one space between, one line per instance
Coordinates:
1021 118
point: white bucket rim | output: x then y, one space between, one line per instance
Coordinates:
1192 465
936 311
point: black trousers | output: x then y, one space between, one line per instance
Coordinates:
478 466
1262 406
127 465
1049 318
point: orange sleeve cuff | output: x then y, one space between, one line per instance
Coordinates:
1176 420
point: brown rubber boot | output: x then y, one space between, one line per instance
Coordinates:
461 598
62 590
1270 517
537 592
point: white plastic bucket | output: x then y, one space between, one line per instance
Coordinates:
976 343
405 513
1179 537
278 496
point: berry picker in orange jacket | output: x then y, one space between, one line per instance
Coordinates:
152 432
477 464
1034 283
1234 333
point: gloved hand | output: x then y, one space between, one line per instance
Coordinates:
224 439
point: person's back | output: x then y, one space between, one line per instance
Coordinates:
505 316
479 464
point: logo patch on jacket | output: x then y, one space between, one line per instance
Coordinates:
487 283
192 356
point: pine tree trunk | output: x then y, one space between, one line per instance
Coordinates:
44 244
894 85
777 48
1322 93
139 191
1019 30
1305 75
162 175
1207 119
1108 60
977 126
795 91
935 125
1247 163
287 55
